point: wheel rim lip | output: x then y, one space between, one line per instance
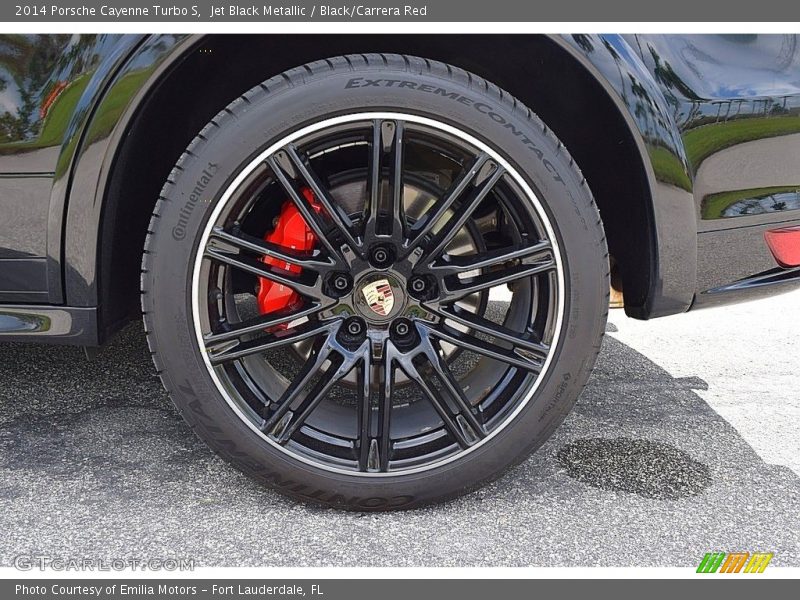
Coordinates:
529 195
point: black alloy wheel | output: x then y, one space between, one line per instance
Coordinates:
417 359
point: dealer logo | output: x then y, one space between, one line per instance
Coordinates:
734 562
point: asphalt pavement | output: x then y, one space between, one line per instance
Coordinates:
686 440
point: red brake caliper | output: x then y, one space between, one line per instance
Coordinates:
290 231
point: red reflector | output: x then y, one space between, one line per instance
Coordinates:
785 245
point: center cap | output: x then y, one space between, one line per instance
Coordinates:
379 297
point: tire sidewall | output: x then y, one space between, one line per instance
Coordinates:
249 126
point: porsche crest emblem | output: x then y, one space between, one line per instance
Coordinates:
379 296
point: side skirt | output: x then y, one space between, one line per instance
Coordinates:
49 324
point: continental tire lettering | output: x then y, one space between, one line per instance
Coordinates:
179 231
333 498
246 462
492 115
549 166
480 106
443 92
187 390
562 386
195 404
337 500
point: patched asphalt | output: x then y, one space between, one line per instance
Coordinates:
95 462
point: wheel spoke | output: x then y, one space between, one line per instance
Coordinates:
309 178
386 151
422 228
529 254
439 403
285 422
373 451
473 198
285 174
232 350
319 354
258 268
364 386
469 425
488 349
261 323
487 327
454 289
307 260
318 392
385 415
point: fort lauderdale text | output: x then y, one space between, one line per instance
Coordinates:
144 589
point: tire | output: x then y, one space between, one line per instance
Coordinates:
187 287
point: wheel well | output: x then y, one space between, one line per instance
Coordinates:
535 69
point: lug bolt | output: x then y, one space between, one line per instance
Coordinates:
418 285
381 256
354 327
341 283
402 330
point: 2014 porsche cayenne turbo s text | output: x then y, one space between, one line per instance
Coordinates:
375 270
